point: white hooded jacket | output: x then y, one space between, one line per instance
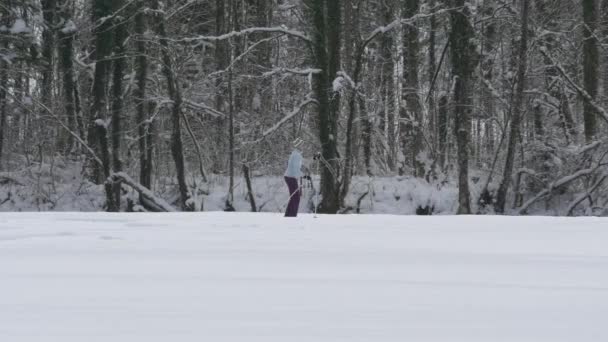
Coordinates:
294 165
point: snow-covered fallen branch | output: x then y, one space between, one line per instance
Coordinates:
587 193
555 185
161 204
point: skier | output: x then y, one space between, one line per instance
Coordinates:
292 175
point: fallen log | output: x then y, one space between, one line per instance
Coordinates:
148 198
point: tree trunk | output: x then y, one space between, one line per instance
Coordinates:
411 88
553 84
442 129
464 59
177 150
141 65
387 83
590 66
431 75
327 63
117 96
103 47
353 63
49 11
3 102
604 14
66 40
487 70
501 196
222 52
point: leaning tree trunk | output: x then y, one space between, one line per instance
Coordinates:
464 59
501 196
590 66
177 149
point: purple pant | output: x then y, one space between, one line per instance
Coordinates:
294 197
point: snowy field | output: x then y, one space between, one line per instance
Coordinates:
259 277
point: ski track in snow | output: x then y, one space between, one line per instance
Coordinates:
260 277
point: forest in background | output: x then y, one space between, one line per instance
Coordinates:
150 101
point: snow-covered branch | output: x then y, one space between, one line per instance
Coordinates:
122 177
399 23
285 119
599 109
586 194
235 34
301 72
555 185
201 106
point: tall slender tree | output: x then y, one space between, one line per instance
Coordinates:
412 121
590 66
464 59
517 113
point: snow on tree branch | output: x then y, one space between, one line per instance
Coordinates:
145 192
235 34
599 109
285 119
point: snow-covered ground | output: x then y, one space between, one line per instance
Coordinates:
260 277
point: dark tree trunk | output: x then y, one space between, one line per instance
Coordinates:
66 43
353 62
442 129
464 59
250 195
431 75
516 115
117 97
411 88
222 57
387 83
3 102
604 14
590 66
3 83
177 149
487 70
328 63
143 126
49 11
103 46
